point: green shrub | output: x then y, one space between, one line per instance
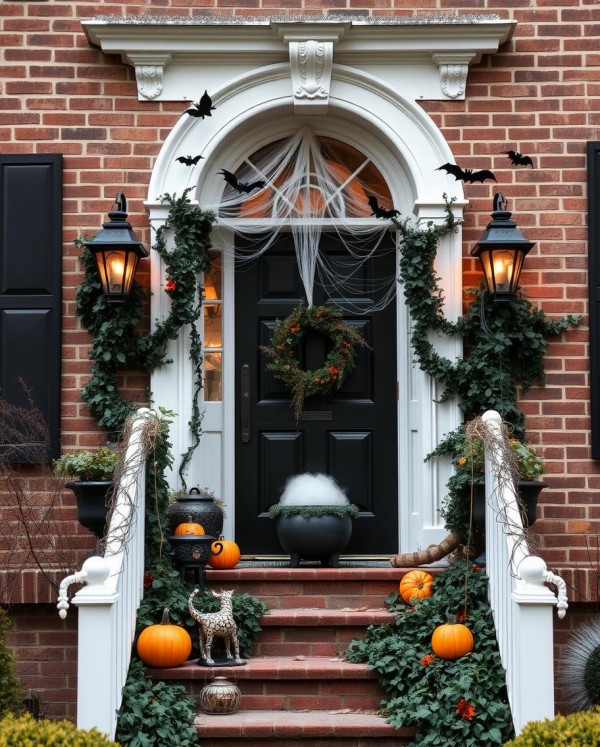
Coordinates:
575 730
25 731
10 688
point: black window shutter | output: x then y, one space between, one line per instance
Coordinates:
593 160
30 288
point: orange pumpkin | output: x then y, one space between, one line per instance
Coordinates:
189 527
164 645
416 585
452 640
227 558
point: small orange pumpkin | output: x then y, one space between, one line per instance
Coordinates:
416 585
452 640
189 527
163 644
228 557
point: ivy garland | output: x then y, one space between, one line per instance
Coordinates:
278 510
451 702
116 344
340 360
498 362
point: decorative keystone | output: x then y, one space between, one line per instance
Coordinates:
311 62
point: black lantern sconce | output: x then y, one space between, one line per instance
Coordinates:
501 251
117 251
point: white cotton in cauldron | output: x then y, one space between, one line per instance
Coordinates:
312 490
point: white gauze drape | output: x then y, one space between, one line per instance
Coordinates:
311 184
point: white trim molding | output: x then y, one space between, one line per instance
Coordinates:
358 80
157 45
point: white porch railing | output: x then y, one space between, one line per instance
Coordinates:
521 603
109 601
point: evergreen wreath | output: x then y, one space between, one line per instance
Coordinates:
499 361
116 344
339 363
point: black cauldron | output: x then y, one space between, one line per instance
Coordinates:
199 508
315 538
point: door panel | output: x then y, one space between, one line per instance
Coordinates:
350 435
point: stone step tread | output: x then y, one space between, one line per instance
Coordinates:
307 574
320 617
270 668
297 724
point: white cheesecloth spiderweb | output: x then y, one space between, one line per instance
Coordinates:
314 184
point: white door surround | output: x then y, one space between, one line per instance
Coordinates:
366 99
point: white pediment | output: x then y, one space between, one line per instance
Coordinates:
427 56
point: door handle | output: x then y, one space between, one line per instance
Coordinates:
245 403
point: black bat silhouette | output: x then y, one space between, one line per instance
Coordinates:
467 175
380 212
246 187
188 160
203 108
517 159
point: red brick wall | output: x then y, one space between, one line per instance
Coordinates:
45 652
540 95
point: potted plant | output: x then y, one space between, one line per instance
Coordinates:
314 520
530 466
94 470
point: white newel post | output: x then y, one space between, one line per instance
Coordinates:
522 604
534 644
96 703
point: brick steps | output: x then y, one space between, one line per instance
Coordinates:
287 728
295 686
288 683
314 632
323 588
270 667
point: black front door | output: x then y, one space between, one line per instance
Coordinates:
351 435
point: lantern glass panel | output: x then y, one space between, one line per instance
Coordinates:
117 270
503 270
501 267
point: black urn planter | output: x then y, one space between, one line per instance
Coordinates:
529 491
92 503
315 538
199 508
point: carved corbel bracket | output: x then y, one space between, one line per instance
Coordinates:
149 74
311 62
453 73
